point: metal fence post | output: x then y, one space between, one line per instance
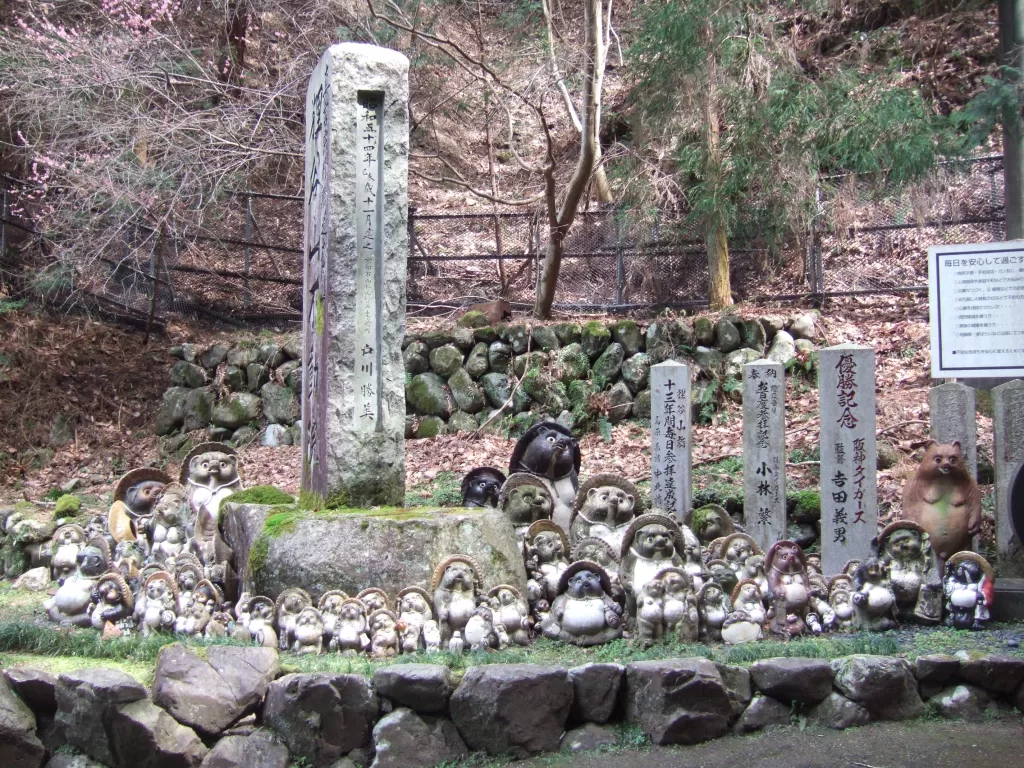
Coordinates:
3 224
248 239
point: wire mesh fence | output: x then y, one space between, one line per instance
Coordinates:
242 263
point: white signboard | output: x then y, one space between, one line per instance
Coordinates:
976 294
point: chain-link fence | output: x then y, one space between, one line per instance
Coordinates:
245 266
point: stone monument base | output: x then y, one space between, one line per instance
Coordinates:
1009 600
280 547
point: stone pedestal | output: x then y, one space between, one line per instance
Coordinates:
671 443
1008 455
356 243
764 451
953 417
849 488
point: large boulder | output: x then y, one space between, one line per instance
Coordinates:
404 739
677 701
350 551
961 702
636 371
210 695
763 712
737 686
516 709
595 692
467 393
838 712
608 365
260 749
321 717
997 674
35 687
280 405
19 745
171 413
883 685
187 375
86 702
446 360
429 395
793 679
423 688
628 334
783 348
236 410
145 736
727 336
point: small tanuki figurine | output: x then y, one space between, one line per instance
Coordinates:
308 635
650 613
481 486
746 596
416 625
193 620
456 590
786 574
159 603
914 576
525 499
943 499
739 627
481 631
74 597
598 551
813 564
550 451
819 603
261 621
736 549
288 606
545 552
189 574
68 540
679 605
375 599
711 522
210 473
329 606
604 507
720 571
969 588
693 563
165 528
840 598
873 601
113 600
217 626
652 542
713 607
139 490
511 611
383 633
350 635
583 613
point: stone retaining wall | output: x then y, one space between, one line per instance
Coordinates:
231 706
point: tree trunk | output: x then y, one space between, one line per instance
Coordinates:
719 288
549 278
235 27
1011 45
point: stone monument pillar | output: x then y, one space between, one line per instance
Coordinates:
764 451
953 417
849 488
355 249
1008 455
671 446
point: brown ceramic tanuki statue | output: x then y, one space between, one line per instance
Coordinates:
713 606
944 500
583 613
481 633
650 613
383 633
905 550
711 522
786 574
840 598
375 599
113 600
873 600
969 591
604 507
525 499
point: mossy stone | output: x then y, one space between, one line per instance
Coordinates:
497 388
887 456
710 361
429 395
262 494
754 336
462 422
467 395
517 336
735 360
438 338
806 506
171 414
703 331
473 319
681 332
189 375
291 373
198 410
256 375
642 405
544 338
572 363
546 390
608 365
636 371
416 357
430 426
213 356
487 334
463 339
446 360
234 378
628 334
525 362
242 354
244 436
580 393
67 506
620 403
271 354
280 405
659 342
499 356
476 363
594 338
804 346
727 337
568 333
236 410
521 422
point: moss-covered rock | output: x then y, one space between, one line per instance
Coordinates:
572 363
430 426
568 333
543 337
476 362
803 345
546 390
806 506
522 422
636 371
262 494
772 324
236 410
488 334
256 375
198 409
887 456
429 395
703 331
67 506
607 366
463 339
171 413
188 375
523 363
497 388
462 422
416 357
594 338
243 354
642 405
628 334
438 338
735 360
499 357
280 405
754 336
727 336
446 360
291 373
620 403
710 361
516 336
473 319
668 340
213 356
234 378
467 395
579 393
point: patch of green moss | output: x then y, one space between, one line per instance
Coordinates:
281 521
700 518
320 315
473 319
258 555
67 505
595 328
262 494
445 490
807 504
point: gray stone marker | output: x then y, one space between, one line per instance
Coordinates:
953 417
764 451
1008 452
356 244
671 439
849 488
